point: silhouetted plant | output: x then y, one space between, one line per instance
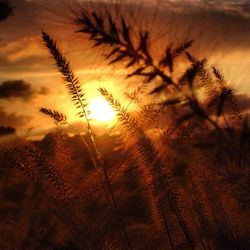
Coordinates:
55 115
169 193
77 97
161 181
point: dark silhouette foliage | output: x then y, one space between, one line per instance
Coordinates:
180 184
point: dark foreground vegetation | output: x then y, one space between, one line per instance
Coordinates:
186 188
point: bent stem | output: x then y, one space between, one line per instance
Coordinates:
78 97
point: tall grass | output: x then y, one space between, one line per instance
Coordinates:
165 191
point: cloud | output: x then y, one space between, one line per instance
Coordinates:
20 89
7 131
23 48
238 7
44 91
12 119
17 89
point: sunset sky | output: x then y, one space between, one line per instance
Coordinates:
29 80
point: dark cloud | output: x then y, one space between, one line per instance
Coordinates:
7 131
17 89
239 7
210 28
12 119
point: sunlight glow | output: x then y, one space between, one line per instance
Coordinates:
101 111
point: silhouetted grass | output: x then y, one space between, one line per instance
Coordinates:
180 189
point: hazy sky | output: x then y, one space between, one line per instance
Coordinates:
28 79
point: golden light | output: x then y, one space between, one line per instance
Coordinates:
101 111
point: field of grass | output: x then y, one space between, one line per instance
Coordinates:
155 184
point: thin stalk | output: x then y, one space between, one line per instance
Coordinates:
119 217
202 220
182 225
77 96
100 164
148 153
167 227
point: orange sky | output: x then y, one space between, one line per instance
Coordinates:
220 30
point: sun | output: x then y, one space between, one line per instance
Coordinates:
101 111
